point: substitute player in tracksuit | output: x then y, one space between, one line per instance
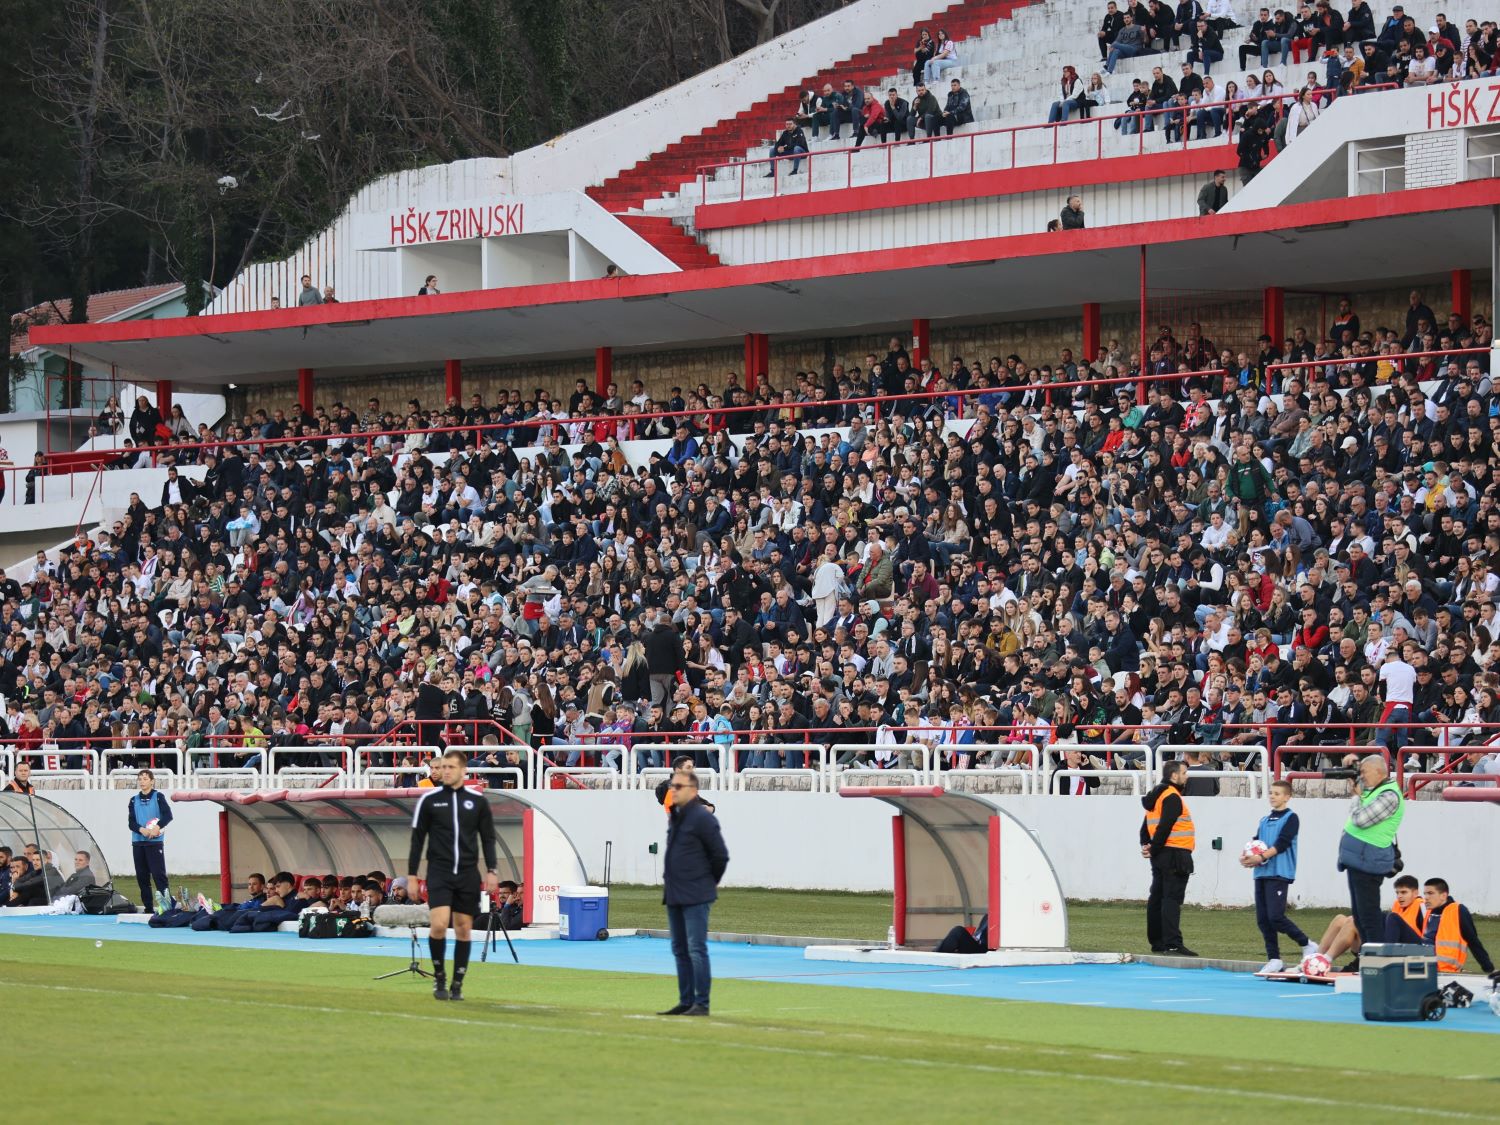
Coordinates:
454 823
1275 871
148 817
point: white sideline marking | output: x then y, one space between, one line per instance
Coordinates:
1183 1000
797 1051
1058 980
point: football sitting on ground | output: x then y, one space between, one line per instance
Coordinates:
1316 966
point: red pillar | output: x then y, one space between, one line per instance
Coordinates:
757 359
920 345
1145 356
1273 314
453 379
305 389
1090 332
604 370
1463 293
164 396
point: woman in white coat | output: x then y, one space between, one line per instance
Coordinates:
828 584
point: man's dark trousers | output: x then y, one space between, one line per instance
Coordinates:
1170 870
1270 914
689 928
1364 901
150 867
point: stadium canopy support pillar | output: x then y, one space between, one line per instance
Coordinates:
1273 314
305 389
1144 355
757 359
1090 331
164 397
1494 281
1463 293
604 370
920 345
453 379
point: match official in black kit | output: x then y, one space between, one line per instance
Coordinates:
454 823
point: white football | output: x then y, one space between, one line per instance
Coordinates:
1253 848
1316 966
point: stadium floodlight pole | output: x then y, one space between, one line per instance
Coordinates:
37 836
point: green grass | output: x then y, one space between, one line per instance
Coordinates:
1113 927
251 1035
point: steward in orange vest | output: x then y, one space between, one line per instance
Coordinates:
1167 840
1450 928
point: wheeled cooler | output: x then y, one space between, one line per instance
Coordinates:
1399 982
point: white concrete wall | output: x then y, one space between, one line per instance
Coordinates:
1106 205
811 841
1315 166
595 152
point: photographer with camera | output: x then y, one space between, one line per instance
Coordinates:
1367 848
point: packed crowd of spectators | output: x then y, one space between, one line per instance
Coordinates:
1023 553
1347 51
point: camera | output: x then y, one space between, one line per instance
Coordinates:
1340 773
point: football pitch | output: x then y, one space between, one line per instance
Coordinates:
245 1030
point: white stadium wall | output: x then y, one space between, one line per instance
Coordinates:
817 841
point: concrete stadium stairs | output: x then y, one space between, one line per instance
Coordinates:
758 124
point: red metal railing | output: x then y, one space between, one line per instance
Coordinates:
996 139
713 418
1398 359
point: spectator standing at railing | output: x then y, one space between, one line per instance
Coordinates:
1213 196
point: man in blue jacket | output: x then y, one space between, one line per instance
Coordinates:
1275 871
149 815
695 862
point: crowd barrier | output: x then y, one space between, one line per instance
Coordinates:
1016 767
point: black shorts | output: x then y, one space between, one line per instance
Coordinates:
458 892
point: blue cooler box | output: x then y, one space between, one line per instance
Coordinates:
583 913
1399 982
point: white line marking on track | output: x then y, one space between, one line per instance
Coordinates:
699 1042
1183 1000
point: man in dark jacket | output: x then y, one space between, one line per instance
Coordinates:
695 862
1109 27
1213 195
1072 214
792 142
897 117
925 111
1167 840
959 110
664 658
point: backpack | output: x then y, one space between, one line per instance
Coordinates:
105 900
320 924
357 927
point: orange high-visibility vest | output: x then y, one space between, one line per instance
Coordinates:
1413 914
1181 835
1452 950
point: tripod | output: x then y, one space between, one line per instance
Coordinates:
416 962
